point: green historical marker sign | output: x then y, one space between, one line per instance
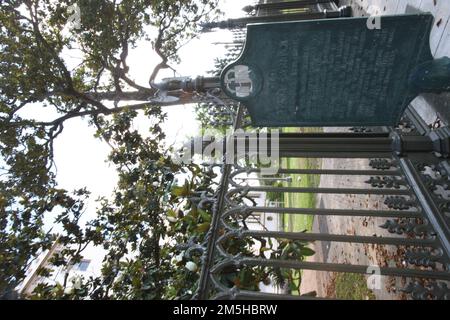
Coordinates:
334 72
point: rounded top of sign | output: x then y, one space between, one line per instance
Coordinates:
241 81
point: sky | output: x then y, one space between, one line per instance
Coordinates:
80 158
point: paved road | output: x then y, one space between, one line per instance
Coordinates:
321 226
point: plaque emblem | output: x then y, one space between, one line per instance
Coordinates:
241 81
238 82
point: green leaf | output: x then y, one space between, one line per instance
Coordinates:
206 217
305 251
203 227
171 213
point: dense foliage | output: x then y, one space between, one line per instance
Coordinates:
150 221
36 79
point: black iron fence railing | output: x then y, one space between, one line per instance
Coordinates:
387 218
311 8
276 11
367 201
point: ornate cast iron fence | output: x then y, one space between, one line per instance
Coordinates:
312 9
275 11
398 224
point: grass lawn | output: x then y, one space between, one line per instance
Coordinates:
299 222
347 286
350 286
